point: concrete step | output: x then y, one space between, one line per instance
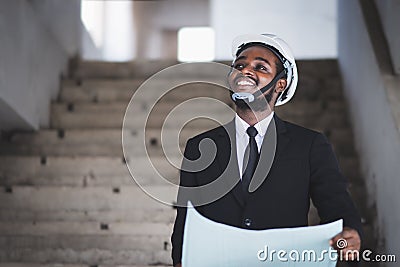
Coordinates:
18 264
122 90
56 198
315 88
304 108
111 116
98 90
324 122
106 90
22 264
147 243
140 69
93 243
338 135
113 70
143 108
85 172
85 116
84 228
79 137
108 142
102 142
110 90
115 120
90 256
350 168
319 68
81 171
344 149
162 215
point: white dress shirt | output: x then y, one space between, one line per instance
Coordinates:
242 138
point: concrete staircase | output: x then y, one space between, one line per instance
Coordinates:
67 197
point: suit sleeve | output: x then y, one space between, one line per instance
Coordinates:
328 186
187 179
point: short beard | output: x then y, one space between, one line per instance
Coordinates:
259 104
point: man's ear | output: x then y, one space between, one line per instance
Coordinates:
280 85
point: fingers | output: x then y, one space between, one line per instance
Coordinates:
347 243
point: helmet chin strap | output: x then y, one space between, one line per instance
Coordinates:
250 97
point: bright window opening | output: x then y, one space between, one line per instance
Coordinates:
196 44
92 14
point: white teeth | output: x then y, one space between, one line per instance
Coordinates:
244 83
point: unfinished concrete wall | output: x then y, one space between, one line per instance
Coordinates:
389 11
63 20
37 38
309 26
372 110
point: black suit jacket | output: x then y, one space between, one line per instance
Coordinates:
304 167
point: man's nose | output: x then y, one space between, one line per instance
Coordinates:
248 71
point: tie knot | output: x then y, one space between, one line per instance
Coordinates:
252 131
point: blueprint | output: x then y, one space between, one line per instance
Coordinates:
207 243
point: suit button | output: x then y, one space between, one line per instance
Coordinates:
247 222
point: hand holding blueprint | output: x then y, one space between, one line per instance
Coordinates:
207 243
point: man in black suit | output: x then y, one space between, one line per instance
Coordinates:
269 168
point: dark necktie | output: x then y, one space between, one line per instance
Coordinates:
251 159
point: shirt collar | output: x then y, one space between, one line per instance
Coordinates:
261 126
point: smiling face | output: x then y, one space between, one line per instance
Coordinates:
256 66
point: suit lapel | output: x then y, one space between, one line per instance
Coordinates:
227 156
283 139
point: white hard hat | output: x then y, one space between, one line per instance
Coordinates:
286 56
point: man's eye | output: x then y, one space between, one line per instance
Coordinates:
239 66
261 67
